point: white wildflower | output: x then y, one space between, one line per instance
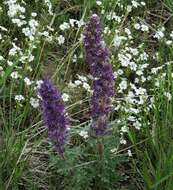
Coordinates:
144 28
86 86
143 79
71 85
27 81
139 72
38 83
74 59
143 3
129 8
124 129
10 63
157 83
133 66
123 141
28 33
61 40
137 26
123 85
99 3
15 75
136 80
168 95
45 33
169 42
137 125
1 58
134 51
113 150
33 14
78 82
34 102
118 40
84 134
72 22
159 34
135 4
131 118
143 56
19 98
129 153
33 23
80 23
64 26
127 31
14 50
125 61
19 22
120 71
171 34
107 30
65 97
82 78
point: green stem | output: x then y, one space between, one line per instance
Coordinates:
100 148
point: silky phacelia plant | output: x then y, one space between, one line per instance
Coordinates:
54 115
97 57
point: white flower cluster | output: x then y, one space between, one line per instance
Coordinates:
134 5
19 98
72 23
16 12
113 16
142 27
65 97
84 134
82 81
160 33
34 102
61 40
31 29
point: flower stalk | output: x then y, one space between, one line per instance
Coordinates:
54 115
97 57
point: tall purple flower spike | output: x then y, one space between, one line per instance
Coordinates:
54 115
97 57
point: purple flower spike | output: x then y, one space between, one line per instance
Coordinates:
97 57
54 115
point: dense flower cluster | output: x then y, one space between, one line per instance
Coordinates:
54 115
97 56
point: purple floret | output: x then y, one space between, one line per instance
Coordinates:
54 115
97 57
